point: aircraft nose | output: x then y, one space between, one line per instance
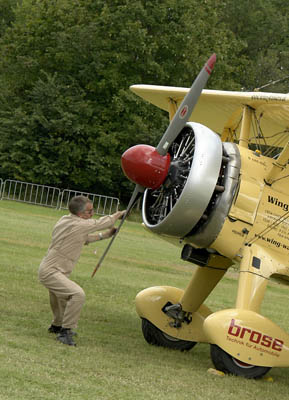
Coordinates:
142 164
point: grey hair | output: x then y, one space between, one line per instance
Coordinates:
78 204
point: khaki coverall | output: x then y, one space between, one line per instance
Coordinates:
69 235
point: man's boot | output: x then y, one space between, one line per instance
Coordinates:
66 337
54 329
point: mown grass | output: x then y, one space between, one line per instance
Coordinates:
111 360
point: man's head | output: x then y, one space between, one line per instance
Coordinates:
81 206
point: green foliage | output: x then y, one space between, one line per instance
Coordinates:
66 113
263 27
6 14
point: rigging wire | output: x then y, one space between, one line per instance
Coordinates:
274 224
271 83
258 135
279 179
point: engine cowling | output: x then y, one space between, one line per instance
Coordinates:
189 202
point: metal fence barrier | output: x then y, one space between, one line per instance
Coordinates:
30 193
102 205
50 196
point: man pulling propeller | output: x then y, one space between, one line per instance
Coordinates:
69 235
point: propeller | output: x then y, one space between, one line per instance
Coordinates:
138 191
186 108
148 166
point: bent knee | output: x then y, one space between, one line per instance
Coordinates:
79 295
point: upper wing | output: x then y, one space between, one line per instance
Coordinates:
221 111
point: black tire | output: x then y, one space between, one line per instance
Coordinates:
155 336
230 365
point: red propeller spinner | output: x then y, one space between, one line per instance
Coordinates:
142 164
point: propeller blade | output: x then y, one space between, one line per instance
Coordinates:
186 108
138 191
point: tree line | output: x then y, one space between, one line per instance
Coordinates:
66 112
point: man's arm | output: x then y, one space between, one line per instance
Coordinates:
100 236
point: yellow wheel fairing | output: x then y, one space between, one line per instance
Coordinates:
150 303
248 337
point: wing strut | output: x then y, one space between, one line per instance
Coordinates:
278 166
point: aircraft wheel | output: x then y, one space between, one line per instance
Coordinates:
230 365
155 336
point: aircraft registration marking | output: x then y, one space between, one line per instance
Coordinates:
268 98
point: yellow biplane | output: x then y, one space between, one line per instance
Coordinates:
217 185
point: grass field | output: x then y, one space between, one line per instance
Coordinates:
112 359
